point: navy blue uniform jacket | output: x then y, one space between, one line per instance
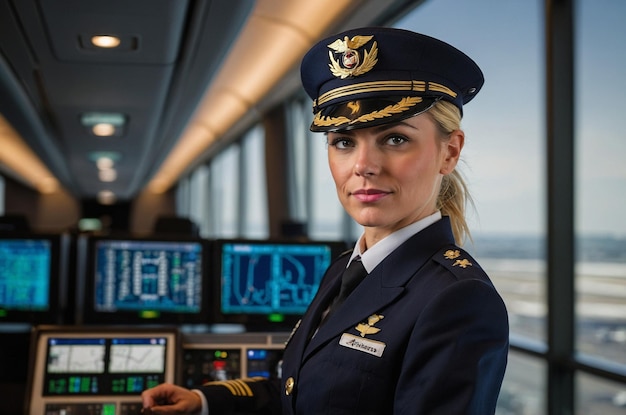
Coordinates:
424 333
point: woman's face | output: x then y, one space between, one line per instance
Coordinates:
389 176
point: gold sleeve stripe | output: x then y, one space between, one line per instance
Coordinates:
255 379
237 384
237 387
245 388
225 384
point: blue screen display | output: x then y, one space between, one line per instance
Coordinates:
266 278
139 275
25 272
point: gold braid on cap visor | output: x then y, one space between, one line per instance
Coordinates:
382 86
403 105
377 86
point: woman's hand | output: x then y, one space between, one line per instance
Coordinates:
170 399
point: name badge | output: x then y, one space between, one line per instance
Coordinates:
373 347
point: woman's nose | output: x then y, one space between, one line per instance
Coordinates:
366 162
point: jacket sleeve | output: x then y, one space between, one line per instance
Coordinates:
457 353
243 396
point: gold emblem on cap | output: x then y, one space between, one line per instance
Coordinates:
350 63
368 328
354 106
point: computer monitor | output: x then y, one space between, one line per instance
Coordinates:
267 285
98 370
145 280
33 273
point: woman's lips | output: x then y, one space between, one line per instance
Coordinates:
369 195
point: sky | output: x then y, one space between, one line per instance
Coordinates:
504 155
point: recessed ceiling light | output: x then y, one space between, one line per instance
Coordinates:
104 124
89 224
106 197
121 42
103 130
105 163
107 175
97 155
105 41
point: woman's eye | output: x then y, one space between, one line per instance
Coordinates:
341 143
396 140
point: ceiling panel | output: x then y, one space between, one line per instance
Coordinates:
50 76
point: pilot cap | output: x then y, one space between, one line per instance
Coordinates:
370 76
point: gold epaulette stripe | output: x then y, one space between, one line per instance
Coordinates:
383 86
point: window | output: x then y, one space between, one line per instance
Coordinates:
599 396
523 387
312 181
182 197
600 184
227 197
224 194
254 223
327 216
198 198
298 161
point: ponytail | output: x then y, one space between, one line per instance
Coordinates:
453 194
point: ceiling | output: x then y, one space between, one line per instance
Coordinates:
54 83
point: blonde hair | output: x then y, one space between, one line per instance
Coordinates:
453 194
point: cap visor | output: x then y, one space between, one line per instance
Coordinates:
369 112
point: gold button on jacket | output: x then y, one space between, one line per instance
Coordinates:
289 384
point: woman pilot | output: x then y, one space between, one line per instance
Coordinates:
424 331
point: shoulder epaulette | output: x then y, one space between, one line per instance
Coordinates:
456 260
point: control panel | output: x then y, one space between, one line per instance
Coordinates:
98 371
211 357
103 370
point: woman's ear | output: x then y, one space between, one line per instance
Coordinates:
452 151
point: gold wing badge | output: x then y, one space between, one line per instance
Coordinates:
350 63
368 328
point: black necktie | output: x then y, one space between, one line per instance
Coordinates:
351 277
